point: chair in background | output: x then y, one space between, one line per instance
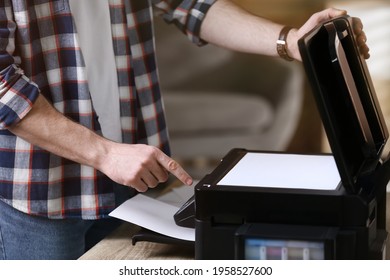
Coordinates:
216 100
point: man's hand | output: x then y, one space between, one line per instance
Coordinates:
141 166
361 38
317 18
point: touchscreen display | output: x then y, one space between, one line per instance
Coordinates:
269 249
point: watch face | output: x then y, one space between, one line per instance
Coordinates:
282 50
281 44
271 249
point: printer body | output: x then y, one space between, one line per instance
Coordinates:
240 216
340 225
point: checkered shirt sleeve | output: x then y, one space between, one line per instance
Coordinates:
17 92
187 15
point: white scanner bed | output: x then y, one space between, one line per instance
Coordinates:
315 172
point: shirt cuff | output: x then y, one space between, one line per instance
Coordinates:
17 96
195 19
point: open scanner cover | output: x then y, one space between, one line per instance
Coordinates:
345 98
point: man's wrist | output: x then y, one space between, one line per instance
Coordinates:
292 42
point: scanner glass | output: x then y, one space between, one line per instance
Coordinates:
317 172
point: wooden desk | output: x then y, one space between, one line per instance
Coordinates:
118 246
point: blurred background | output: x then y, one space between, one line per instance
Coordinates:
217 100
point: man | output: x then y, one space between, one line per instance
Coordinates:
82 123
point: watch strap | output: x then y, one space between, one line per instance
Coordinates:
281 43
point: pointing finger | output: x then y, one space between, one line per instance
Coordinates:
175 169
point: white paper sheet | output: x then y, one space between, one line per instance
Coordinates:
284 171
154 215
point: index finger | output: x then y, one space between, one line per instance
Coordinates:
175 169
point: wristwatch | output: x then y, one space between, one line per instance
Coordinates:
281 43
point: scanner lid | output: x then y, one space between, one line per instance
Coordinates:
345 98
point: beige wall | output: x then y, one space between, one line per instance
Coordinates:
292 12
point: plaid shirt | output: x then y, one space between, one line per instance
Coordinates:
39 53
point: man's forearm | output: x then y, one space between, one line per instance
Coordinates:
229 26
45 127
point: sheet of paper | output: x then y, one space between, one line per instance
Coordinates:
154 215
284 171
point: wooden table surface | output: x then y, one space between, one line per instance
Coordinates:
118 246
